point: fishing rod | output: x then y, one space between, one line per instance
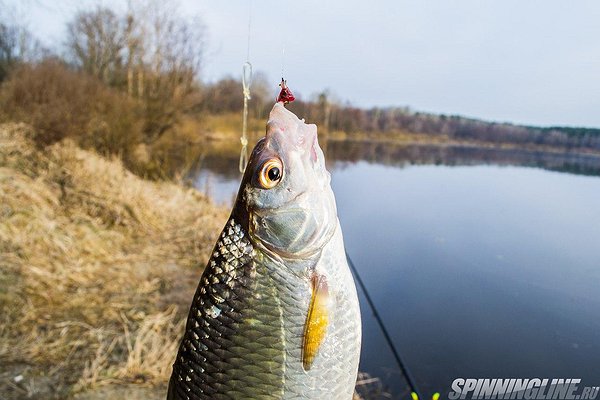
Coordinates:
415 393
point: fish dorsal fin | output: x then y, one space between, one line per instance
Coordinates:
315 327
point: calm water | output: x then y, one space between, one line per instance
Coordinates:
479 264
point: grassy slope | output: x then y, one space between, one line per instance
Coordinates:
97 268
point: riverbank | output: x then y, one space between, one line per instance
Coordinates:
97 269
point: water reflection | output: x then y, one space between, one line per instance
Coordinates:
398 155
218 175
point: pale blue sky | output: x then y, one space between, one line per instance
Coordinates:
533 62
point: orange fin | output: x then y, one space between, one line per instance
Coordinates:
317 320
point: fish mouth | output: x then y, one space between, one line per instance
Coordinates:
293 135
285 126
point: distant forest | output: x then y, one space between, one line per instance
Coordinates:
335 116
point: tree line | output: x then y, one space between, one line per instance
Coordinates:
332 115
127 80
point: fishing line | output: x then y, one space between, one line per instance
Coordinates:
282 58
409 379
246 83
249 30
286 12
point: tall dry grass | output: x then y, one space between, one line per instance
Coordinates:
97 267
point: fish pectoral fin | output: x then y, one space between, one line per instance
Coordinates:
315 327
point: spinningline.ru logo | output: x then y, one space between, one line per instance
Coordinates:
528 389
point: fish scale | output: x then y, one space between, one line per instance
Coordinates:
228 364
263 360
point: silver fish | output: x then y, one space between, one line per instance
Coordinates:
276 314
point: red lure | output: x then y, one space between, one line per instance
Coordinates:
285 95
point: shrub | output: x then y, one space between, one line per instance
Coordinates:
61 103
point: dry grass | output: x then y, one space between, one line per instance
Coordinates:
96 268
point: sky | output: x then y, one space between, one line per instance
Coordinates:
534 62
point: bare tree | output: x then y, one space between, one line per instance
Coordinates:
96 40
169 53
151 52
16 43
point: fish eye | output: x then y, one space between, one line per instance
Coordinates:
270 173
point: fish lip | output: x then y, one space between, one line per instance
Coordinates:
314 156
290 131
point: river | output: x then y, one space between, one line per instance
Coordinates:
481 262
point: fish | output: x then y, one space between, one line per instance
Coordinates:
276 312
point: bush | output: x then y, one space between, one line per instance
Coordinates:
61 103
